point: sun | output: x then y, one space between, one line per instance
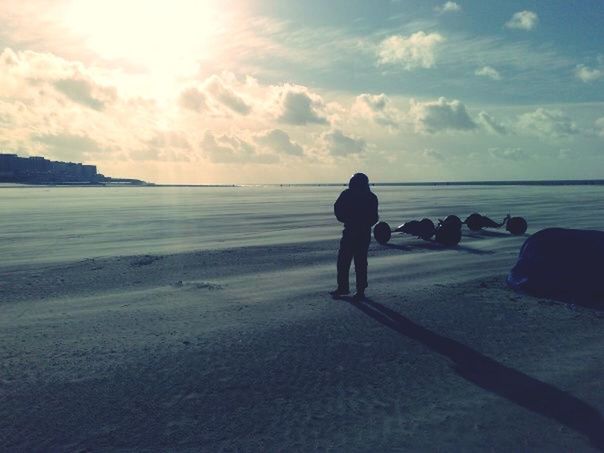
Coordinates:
159 35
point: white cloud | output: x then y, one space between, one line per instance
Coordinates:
86 92
63 109
441 115
376 107
516 154
523 20
297 105
433 155
587 74
488 71
491 124
31 76
7 118
414 51
547 124
227 149
167 146
68 146
465 49
600 126
447 7
374 102
192 99
339 144
226 96
218 94
567 153
172 139
278 141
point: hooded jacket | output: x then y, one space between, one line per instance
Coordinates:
357 208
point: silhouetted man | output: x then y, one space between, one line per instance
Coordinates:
357 209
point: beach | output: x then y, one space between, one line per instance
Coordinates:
199 319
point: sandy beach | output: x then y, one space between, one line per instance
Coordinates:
184 185
156 342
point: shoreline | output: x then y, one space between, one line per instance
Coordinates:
562 182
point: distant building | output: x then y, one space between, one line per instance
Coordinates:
38 170
89 171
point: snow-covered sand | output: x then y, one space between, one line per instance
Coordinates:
198 319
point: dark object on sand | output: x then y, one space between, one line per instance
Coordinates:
515 225
564 264
382 232
446 233
451 221
476 222
423 229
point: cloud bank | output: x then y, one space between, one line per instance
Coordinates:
447 7
587 74
491 124
523 20
298 106
411 52
441 115
547 123
339 144
376 107
278 141
489 72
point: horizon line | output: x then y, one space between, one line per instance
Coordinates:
527 182
405 183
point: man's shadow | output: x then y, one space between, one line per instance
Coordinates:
528 392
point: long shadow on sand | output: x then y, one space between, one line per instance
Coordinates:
432 245
528 392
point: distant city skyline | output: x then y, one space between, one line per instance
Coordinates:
283 91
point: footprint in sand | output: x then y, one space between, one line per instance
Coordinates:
198 285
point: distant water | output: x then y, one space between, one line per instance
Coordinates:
50 224
552 182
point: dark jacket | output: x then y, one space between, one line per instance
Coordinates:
357 209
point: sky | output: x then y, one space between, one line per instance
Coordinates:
284 91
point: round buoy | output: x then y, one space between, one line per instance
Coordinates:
474 221
382 232
453 221
516 225
448 234
427 228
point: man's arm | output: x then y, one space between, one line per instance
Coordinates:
340 209
374 211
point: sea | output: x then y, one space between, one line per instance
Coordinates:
66 224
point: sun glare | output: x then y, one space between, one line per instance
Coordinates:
161 35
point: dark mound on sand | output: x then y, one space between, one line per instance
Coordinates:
564 264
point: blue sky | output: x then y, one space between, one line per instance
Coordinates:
536 63
251 91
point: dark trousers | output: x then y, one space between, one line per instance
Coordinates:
353 245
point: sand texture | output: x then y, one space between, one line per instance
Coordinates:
238 347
